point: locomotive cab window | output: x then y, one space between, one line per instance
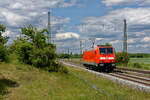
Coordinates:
106 51
109 51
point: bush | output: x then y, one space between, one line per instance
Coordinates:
43 57
58 67
24 51
137 65
3 53
122 58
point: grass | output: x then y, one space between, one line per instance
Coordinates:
34 84
140 60
139 63
29 83
24 82
110 90
143 62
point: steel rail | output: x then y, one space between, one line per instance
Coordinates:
130 79
134 70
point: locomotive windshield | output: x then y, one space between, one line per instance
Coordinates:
106 51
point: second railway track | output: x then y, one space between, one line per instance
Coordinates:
141 80
134 70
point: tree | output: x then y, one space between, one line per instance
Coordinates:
3 49
34 36
107 44
3 39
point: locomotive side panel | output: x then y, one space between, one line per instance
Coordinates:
89 57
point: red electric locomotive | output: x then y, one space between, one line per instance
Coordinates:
101 58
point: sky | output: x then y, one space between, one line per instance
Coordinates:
73 21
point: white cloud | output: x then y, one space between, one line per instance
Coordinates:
71 3
125 2
112 22
32 14
132 40
57 23
38 4
146 39
111 25
59 20
13 19
18 12
115 42
143 45
16 5
145 2
115 2
67 35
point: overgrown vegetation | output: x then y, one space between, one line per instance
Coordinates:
32 48
122 58
139 55
3 48
139 65
135 65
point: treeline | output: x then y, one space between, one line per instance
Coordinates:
139 55
33 48
63 56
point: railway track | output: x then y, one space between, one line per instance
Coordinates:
134 70
140 80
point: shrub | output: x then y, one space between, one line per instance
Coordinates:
3 53
122 58
58 67
24 51
137 65
43 57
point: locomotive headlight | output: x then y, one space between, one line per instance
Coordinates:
111 58
102 58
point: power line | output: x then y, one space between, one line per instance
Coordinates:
93 41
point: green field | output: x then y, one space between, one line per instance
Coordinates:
140 60
24 82
143 63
